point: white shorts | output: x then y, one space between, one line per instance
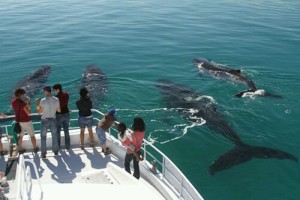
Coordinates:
28 127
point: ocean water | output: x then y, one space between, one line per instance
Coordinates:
135 43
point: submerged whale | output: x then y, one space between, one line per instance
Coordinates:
178 96
33 82
220 71
96 82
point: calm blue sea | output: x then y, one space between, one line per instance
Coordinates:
136 43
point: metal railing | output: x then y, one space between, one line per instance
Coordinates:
24 179
168 171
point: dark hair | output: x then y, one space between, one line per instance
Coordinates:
47 88
19 92
122 128
57 86
83 92
138 124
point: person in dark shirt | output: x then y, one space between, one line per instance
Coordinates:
62 118
85 118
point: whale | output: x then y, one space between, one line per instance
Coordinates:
33 82
220 71
179 96
96 82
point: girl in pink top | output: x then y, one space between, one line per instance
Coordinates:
134 146
126 139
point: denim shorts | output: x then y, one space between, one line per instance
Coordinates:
85 122
101 135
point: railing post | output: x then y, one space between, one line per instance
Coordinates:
145 151
181 186
6 130
163 167
36 173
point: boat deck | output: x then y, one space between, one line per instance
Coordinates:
88 173
75 171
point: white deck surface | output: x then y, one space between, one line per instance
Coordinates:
82 174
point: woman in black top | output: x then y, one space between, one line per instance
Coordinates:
85 119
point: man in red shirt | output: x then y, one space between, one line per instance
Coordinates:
21 106
62 118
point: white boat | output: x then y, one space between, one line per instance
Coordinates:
89 174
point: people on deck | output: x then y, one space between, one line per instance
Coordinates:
85 118
2 152
62 118
137 136
104 124
125 137
48 107
22 109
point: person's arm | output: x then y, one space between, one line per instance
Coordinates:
58 109
91 104
27 107
137 156
2 115
68 103
39 108
114 121
132 148
27 110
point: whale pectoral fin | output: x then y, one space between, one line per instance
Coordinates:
243 153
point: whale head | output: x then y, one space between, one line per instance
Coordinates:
200 63
44 70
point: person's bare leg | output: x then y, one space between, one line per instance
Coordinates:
20 143
1 146
91 137
2 152
82 137
104 147
33 141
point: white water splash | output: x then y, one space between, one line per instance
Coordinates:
184 131
199 65
255 94
205 98
165 133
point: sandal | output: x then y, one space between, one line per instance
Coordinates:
108 151
92 144
81 146
35 150
22 151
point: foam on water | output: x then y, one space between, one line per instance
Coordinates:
255 94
